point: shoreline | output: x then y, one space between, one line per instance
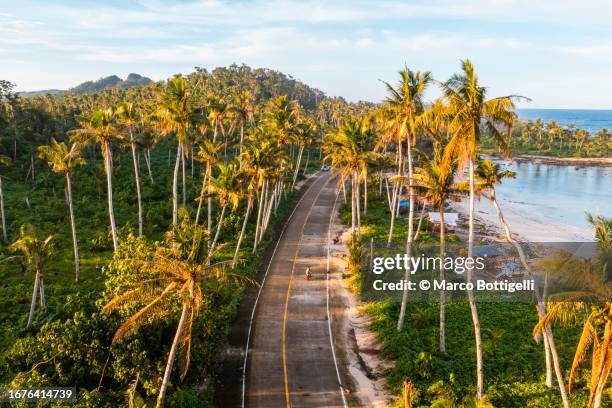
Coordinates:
524 227
562 161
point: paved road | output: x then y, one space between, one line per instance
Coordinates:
290 361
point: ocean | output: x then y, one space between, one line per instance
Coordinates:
592 120
559 194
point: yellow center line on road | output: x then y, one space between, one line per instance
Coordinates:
297 251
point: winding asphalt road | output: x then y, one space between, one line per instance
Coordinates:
291 359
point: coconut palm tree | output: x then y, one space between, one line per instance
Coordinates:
208 153
590 306
253 159
129 118
100 127
436 188
280 118
304 133
603 231
177 275
242 109
350 150
217 111
226 187
488 174
4 160
63 159
35 253
468 110
147 140
177 116
405 103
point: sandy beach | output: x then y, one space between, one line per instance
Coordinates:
525 226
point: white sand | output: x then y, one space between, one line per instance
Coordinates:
524 225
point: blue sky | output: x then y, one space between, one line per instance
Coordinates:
557 52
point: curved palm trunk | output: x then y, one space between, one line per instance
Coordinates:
147 156
549 342
365 195
471 301
137 179
241 143
307 161
394 202
264 212
75 243
171 356
421 216
41 292
244 225
605 366
184 178
268 211
353 216
175 184
357 202
202 192
297 166
4 231
209 200
442 291
549 375
212 246
407 272
108 164
260 205
34 295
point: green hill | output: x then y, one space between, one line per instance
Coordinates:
112 81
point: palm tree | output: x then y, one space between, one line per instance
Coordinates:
100 126
603 231
488 174
436 188
177 274
226 186
4 160
129 118
63 159
208 153
589 304
177 116
304 132
280 119
405 106
350 151
242 108
36 252
252 159
468 110
148 139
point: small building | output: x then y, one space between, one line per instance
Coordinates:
450 219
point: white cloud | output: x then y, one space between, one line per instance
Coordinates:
333 45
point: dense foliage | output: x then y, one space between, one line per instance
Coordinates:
228 146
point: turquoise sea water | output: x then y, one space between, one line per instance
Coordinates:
592 120
559 193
